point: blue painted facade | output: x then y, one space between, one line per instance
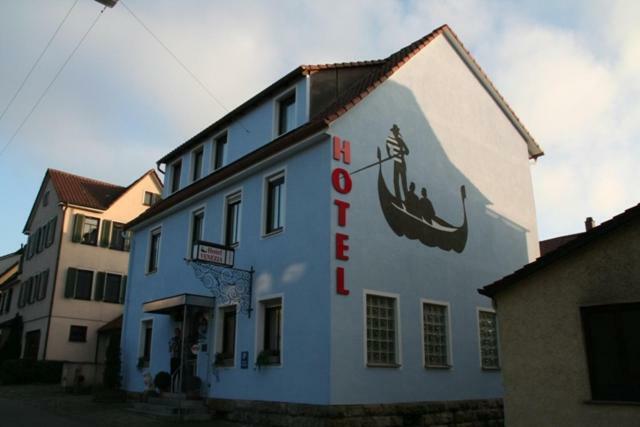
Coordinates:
458 135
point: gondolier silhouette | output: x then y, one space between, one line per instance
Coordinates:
397 149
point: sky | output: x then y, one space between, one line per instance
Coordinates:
569 69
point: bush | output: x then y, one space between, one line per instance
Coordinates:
162 381
30 371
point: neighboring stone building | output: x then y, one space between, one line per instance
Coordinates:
368 200
74 265
9 279
569 327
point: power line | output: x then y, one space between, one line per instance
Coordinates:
35 64
84 36
175 57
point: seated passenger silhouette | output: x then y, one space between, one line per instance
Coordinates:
411 201
425 207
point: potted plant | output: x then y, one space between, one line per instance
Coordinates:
141 363
219 360
263 359
162 381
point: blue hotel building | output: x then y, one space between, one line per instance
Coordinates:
365 203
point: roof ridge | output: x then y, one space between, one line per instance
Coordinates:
345 64
97 181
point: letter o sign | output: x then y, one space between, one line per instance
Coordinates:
341 180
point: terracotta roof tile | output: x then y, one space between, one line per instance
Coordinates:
550 245
81 191
569 247
384 68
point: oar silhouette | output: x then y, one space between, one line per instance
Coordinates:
374 163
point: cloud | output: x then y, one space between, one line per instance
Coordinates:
122 101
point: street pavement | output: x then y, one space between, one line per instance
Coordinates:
20 414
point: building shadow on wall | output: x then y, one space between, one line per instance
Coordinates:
424 197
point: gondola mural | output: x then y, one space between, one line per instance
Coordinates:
409 215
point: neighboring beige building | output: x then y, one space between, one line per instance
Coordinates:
75 263
569 330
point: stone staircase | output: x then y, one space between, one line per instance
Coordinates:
173 406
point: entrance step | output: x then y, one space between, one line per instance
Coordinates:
173 409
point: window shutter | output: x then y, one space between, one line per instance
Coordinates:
106 233
34 287
70 286
21 295
28 248
77 228
51 235
99 293
123 289
127 240
7 306
44 279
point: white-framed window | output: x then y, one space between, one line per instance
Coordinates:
226 336
488 337
153 257
219 150
286 113
274 203
196 229
382 329
197 157
436 334
176 171
145 343
269 328
232 219
150 199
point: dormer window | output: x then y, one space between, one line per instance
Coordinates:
220 148
286 113
176 170
196 164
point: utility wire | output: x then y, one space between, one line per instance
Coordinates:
35 64
84 36
175 57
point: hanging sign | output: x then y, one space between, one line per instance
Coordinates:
213 253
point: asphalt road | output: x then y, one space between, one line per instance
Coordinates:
16 413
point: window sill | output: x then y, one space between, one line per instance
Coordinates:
484 368
384 365
438 367
273 233
611 402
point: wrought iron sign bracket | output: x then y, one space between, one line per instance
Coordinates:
228 285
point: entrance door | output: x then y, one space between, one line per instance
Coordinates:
195 350
31 345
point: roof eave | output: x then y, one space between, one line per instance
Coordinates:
533 147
